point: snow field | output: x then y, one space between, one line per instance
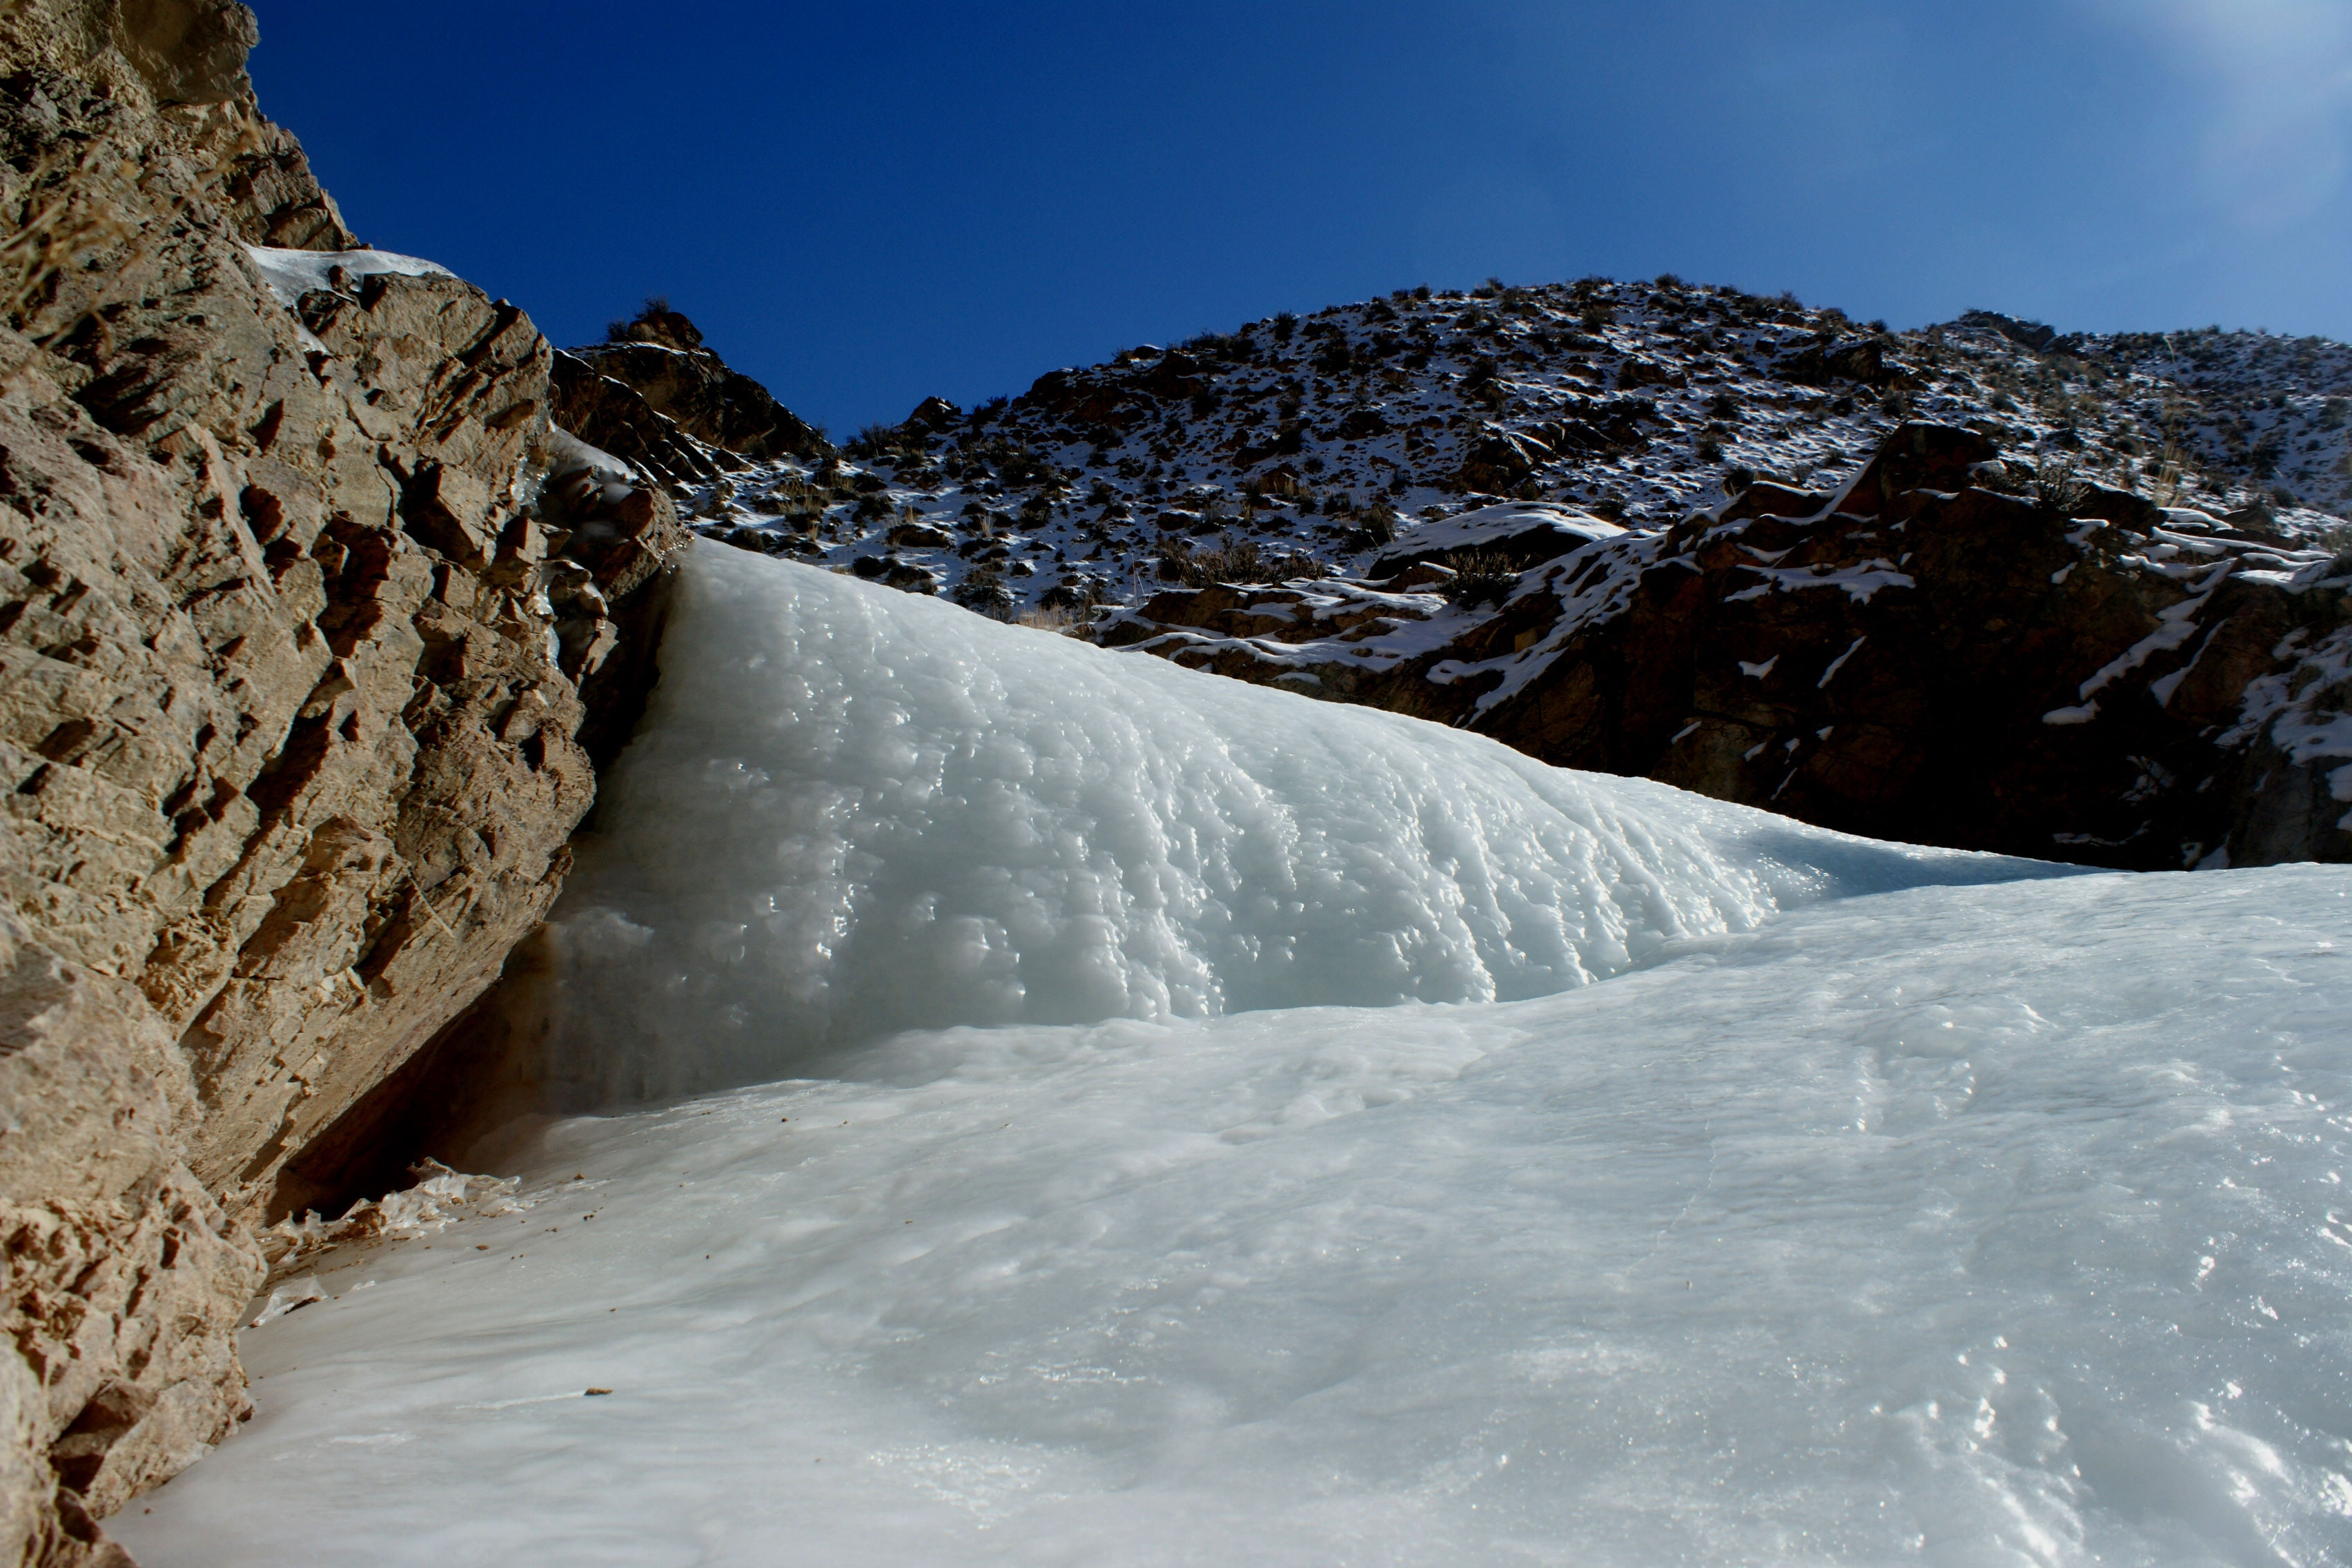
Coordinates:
1960 1226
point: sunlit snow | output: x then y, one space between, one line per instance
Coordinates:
853 810
1873 1205
290 274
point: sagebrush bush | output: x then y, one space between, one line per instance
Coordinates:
1480 576
2058 486
1231 560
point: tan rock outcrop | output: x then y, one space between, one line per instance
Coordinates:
301 619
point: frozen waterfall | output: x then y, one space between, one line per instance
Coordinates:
1145 1120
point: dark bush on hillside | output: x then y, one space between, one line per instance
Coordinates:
897 442
2058 487
1231 560
982 590
1480 577
654 307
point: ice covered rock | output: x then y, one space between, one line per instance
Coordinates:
290 274
290 1297
437 1196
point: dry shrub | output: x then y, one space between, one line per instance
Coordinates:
1231 560
1480 576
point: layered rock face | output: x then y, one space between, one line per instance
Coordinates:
2069 672
303 609
657 397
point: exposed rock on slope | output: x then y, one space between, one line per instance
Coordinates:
658 398
293 655
2071 672
1637 402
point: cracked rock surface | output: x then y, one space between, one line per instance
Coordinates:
302 617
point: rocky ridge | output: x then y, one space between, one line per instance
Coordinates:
654 396
1295 446
306 608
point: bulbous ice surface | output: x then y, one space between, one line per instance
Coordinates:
851 810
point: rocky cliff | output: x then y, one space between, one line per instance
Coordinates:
1949 649
654 394
304 606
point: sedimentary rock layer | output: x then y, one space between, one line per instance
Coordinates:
301 617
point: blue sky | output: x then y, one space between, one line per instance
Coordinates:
864 204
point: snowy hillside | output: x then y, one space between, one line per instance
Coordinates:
1292 446
2071 672
1816 1201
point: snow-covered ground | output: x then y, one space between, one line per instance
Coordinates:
1813 1201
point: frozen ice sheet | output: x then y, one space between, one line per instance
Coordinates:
1997 1224
1264 1181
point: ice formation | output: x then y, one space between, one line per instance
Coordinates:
1960 1226
852 810
1873 1209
